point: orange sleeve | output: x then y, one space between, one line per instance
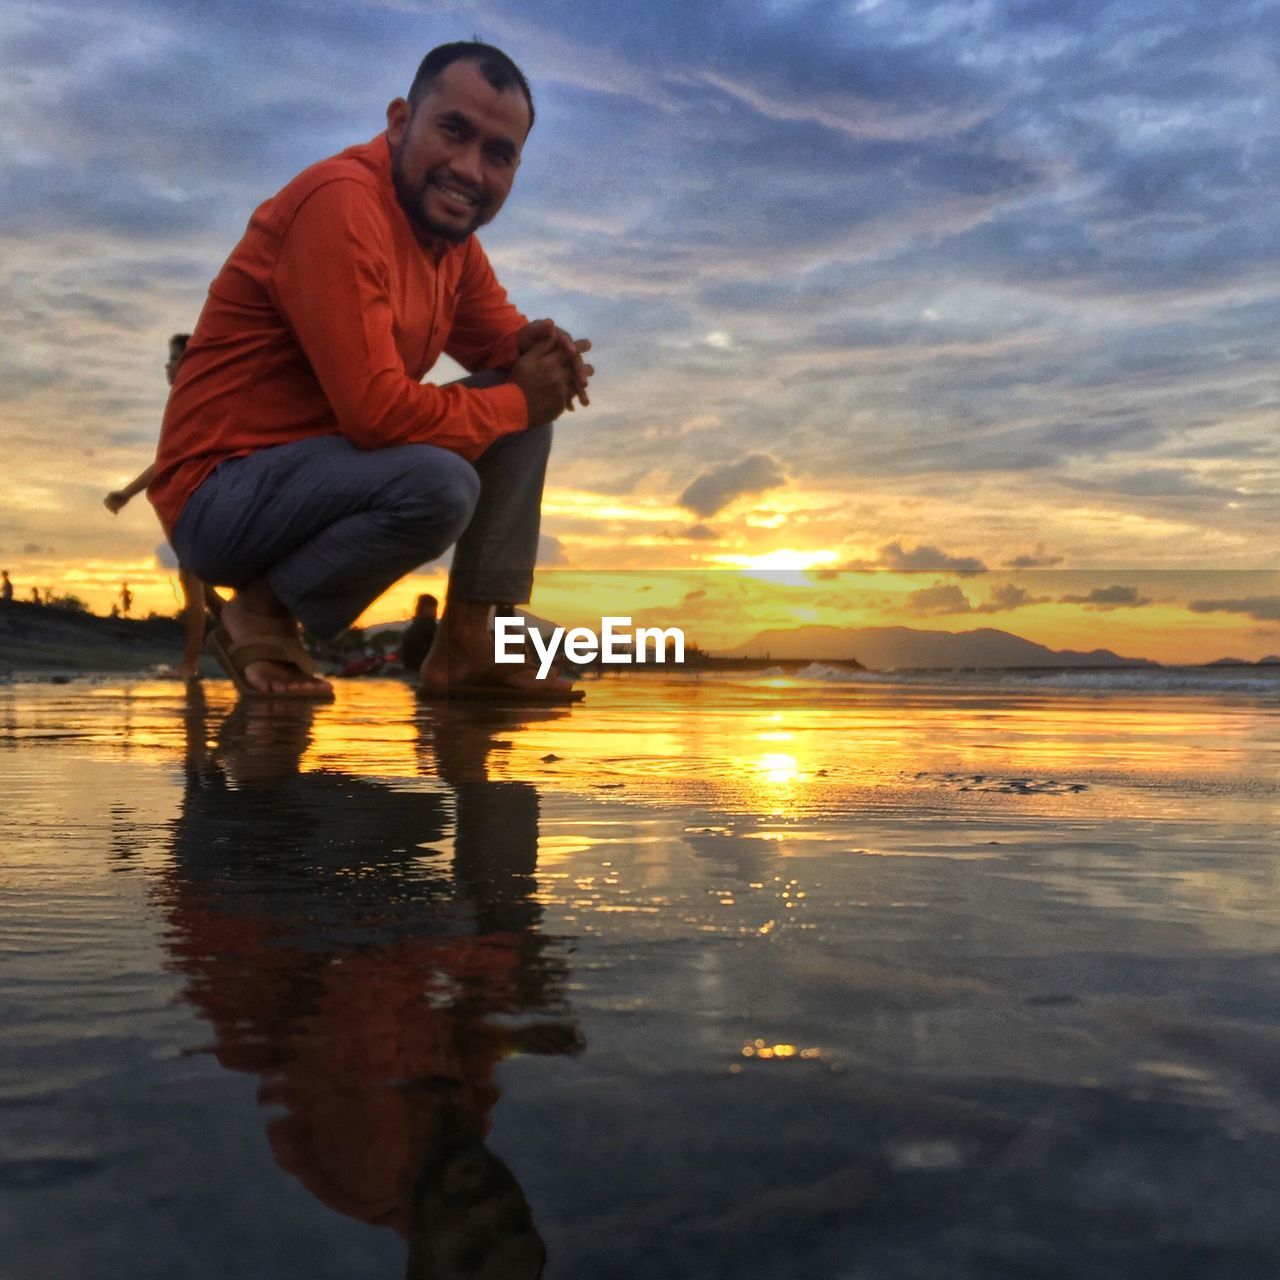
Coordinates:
331 284
485 324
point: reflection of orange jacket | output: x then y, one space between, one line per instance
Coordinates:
361 1048
323 320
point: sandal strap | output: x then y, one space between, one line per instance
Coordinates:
271 649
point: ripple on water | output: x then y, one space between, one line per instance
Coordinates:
741 980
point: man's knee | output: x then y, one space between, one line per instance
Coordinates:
440 488
524 452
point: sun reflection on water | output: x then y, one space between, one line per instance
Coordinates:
782 751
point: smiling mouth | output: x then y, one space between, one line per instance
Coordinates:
456 195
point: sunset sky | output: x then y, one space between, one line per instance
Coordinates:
941 287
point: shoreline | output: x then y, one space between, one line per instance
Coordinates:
50 644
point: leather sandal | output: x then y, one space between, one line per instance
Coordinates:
234 656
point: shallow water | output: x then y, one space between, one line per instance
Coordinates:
699 978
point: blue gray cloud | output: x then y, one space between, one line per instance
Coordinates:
1106 598
895 556
1037 559
1007 597
944 598
715 489
1263 608
897 247
940 598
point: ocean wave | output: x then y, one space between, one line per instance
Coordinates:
1263 680
1259 681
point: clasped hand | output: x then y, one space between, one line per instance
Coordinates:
550 370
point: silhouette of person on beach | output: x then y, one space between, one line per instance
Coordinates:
6 587
372 989
126 599
418 635
193 590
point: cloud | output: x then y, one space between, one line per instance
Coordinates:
551 551
1263 608
1157 482
894 555
1113 597
1037 559
980 249
716 489
699 533
1007 597
940 598
694 533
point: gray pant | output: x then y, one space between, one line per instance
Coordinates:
332 526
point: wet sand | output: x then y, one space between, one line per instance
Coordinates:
698 978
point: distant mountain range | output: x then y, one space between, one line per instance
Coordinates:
907 648
890 648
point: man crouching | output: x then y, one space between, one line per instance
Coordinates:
303 462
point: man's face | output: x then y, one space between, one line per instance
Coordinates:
454 156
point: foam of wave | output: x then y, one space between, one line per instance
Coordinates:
1260 681
828 671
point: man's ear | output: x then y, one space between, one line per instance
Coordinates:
399 113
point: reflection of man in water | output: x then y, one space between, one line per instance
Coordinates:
338 959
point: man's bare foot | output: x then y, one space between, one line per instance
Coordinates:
461 659
443 676
254 613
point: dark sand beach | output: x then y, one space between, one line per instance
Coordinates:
705 977
43 641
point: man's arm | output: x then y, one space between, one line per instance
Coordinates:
486 326
331 285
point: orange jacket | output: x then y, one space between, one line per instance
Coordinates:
323 320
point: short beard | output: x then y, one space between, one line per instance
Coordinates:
411 202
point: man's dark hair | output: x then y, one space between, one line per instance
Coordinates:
498 70
178 343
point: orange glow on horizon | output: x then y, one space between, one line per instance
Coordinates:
721 609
